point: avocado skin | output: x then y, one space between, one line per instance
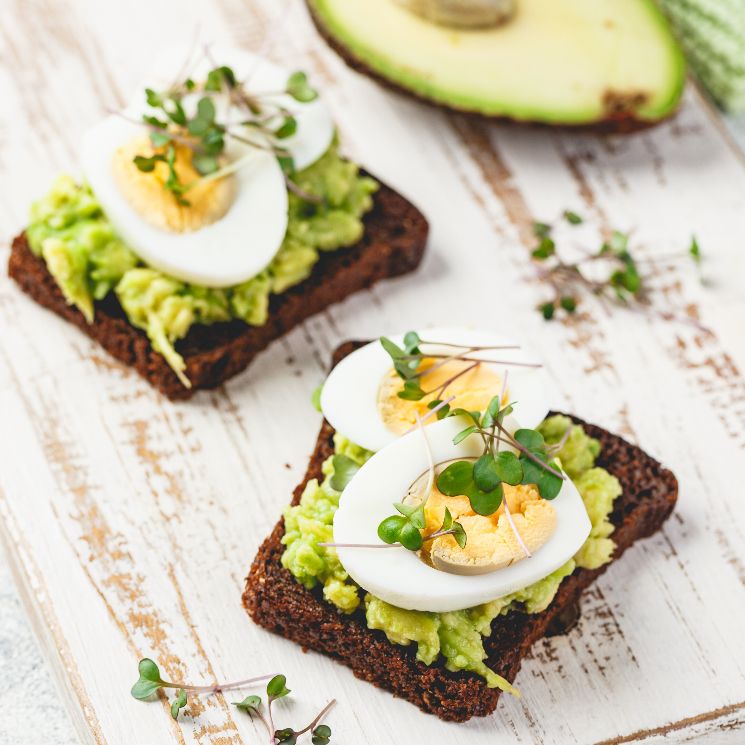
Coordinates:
615 123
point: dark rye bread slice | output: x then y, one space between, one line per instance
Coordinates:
278 602
617 120
393 244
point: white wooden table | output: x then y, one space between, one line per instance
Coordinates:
130 522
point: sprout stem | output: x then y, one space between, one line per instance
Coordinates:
525 452
329 544
430 460
321 714
519 538
431 413
219 687
472 347
449 358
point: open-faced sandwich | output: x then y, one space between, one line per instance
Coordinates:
448 520
217 213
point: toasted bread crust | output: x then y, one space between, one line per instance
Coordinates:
275 600
393 244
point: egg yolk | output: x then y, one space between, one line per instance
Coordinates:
491 541
472 390
207 201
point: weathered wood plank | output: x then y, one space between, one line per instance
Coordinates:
132 521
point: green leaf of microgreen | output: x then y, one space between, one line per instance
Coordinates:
389 529
159 139
474 416
508 468
286 129
250 704
568 303
205 164
153 98
547 310
455 479
459 534
197 127
321 735
530 439
447 520
464 433
391 348
411 391
277 687
286 163
486 502
458 480
410 537
146 164
547 484
177 114
412 342
544 249
286 736
491 413
694 250
541 229
218 76
344 469
572 217
149 681
443 411
619 241
299 88
315 397
206 109
153 121
627 278
485 473
414 513
178 703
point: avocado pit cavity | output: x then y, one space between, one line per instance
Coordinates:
462 14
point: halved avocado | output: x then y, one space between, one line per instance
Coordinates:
565 62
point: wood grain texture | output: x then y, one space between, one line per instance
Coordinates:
131 521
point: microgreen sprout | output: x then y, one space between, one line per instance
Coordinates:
625 283
262 121
344 469
276 689
407 362
150 682
315 398
480 479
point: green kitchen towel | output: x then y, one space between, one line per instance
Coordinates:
712 33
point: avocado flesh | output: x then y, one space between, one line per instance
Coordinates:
574 62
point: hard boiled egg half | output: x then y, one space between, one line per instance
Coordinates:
360 396
439 578
233 226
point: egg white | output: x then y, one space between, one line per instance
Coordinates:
224 253
349 398
398 576
243 242
315 125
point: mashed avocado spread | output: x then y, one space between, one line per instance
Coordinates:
457 635
83 253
